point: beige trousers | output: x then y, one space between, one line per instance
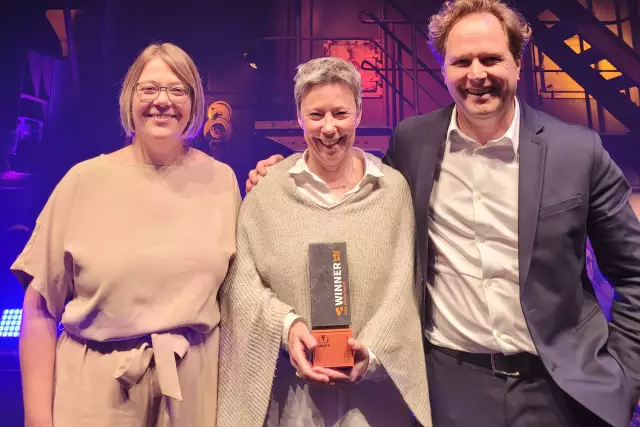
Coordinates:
126 384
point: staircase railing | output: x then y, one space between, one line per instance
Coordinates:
366 65
371 18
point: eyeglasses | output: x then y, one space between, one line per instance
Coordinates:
149 92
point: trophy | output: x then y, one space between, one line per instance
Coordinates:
330 304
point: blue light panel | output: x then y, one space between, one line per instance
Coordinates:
10 323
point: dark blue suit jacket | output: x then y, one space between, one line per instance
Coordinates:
569 188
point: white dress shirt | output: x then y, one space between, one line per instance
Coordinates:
312 186
315 189
473 232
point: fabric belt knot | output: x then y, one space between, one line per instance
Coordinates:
163 349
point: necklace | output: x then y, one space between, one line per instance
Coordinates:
343 186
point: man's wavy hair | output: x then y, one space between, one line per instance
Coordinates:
515 26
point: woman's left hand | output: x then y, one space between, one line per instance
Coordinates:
360 366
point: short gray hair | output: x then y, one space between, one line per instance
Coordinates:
327 70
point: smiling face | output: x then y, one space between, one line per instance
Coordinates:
479 70
328 117
162 119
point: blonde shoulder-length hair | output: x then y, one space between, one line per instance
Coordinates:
183 66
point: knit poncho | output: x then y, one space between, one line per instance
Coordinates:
269 277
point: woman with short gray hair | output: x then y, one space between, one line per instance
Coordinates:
331 193
327 70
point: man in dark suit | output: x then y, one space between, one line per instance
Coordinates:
505 197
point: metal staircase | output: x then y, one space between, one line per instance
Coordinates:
575 20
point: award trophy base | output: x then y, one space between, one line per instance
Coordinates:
332 350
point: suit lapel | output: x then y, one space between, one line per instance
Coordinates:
432 135
435 135
531 172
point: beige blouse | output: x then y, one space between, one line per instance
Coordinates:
123 250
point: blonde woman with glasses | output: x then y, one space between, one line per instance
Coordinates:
128 254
